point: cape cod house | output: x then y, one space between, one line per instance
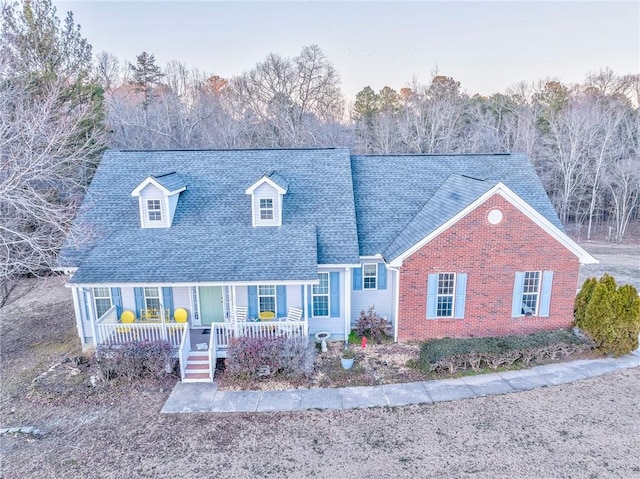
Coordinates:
199 246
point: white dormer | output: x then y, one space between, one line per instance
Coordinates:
158 198
266 199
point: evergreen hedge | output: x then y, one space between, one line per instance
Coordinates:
609 314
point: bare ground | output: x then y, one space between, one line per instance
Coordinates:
587 429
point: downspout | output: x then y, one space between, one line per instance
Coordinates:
396 311
347 305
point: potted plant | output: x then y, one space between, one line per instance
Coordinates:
348 356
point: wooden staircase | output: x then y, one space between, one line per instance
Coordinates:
198 367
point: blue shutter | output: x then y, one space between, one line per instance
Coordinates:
334 299
461 294
252 292
309 301
518 289
138 294
432 294
357 279
382 276
281 299
116 297
167 299
545 297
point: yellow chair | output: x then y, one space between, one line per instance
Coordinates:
267 315
127 317
180 315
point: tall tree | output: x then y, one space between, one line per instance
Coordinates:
145 75
50 132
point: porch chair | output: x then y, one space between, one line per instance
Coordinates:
267 315
241 313
294 314
127 317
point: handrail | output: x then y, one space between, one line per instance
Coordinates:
182 358
213 353
102 320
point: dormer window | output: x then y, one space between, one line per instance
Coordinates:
266 199
158 199
154 210
266 208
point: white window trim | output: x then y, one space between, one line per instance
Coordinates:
272 209
328 295
375 276
149 210
538 293
96 297
274 296
158 297
452 295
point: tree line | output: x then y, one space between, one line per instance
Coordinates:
61 106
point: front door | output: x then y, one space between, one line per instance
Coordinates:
211 305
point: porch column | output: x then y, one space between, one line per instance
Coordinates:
305 308
347 304
91 308
76 309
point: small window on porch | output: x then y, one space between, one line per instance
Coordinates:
102 298
267 299
320 296
152 298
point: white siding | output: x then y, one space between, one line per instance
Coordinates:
294 297
173 202
382 299
334 325
266 191
150 192
128 299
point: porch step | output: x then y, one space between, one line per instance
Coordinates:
197 368
196 378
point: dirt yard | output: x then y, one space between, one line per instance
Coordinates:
588 429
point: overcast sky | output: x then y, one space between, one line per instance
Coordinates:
487 46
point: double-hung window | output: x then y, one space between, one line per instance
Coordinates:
152 298
446 295
266 208
369 276
267 299
154 210
320 296
102 299
532 294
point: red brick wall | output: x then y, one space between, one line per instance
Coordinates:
490 255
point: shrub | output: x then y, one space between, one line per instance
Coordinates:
373 325
583 297
133 360
450 355
354 338
612 317
348 353
289 357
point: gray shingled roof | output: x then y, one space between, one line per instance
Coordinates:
455 194
211 235
171 181
278 180
390 191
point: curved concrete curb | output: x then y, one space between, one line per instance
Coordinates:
203 397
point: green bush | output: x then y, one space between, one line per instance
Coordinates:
611 316
583 298
437 349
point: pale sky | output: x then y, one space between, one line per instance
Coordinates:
487 46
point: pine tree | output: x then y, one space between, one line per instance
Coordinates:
146 75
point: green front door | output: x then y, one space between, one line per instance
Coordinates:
211 306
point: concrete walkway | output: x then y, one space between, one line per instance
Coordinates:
204 397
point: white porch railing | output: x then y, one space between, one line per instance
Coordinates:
224 332
213 348
183 352
110 331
